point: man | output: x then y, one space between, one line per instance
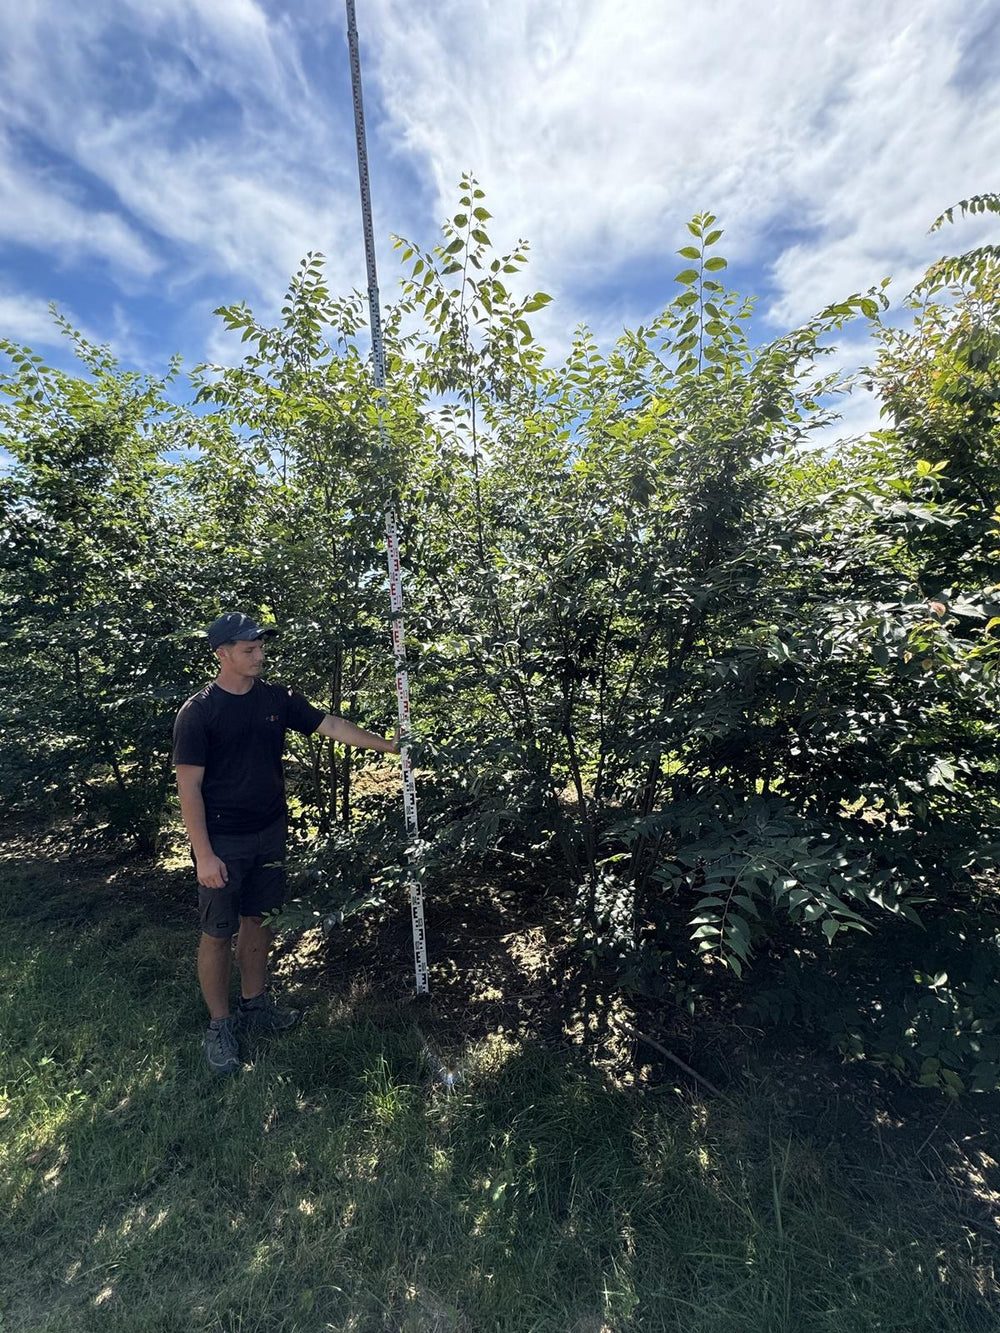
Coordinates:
228 743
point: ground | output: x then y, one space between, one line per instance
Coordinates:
574 1178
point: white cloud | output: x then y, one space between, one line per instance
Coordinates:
234 45
184 141
597 128
37 209
26 319
213 145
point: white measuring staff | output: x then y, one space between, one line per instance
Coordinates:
391 526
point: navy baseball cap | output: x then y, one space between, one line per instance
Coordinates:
235 627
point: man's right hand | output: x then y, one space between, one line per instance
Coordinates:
212 873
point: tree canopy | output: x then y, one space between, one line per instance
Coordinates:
733 692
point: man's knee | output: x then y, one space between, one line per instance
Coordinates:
216 943
253 932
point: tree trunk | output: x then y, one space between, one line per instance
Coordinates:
336 697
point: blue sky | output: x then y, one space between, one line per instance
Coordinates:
159 158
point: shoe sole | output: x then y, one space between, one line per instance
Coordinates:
222 1071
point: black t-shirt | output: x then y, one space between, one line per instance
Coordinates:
238 739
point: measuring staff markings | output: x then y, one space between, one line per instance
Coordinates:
391 525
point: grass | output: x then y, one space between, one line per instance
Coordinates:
329 1187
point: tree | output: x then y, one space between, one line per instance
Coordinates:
96 590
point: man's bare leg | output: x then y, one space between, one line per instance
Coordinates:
257 1011
215 965
253 945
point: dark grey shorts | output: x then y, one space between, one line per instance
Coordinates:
256 866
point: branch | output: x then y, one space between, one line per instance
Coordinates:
669 1055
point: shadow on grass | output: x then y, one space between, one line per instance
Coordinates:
332 1186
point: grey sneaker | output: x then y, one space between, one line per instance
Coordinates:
221 1052
261 1014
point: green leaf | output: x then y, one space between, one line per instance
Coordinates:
687 276
737 934
746 903
716 263
954 1085
689 252
942 774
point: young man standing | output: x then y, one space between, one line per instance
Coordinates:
228 743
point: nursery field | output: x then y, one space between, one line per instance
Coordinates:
705 720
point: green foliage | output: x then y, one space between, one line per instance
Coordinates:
958 268
709 681
96 591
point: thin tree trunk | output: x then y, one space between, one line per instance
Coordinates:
345 786
336 694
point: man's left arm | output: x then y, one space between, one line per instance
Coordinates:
339 729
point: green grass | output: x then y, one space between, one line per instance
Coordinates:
326 1188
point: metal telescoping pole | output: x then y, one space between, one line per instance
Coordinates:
391 524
